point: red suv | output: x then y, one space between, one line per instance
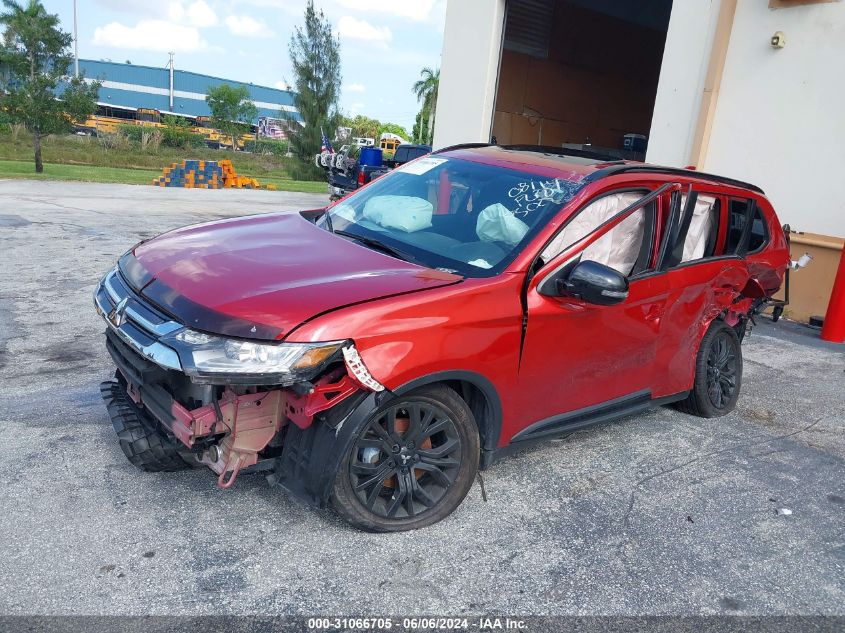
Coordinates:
377 353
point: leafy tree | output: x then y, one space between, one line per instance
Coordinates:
177 133
315 57
232 112
37 92
393 128
426 90
371 128
361 126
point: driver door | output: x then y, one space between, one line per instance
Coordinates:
580 360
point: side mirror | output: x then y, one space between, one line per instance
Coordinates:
589 281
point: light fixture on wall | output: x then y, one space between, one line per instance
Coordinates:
778 40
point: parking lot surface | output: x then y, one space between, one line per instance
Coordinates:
662 513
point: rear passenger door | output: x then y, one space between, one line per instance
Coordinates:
702 252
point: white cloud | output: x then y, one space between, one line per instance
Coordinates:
354 88
281 85
150 35
201 15
176 12
353 28
247 26
193 12
418 10
140 7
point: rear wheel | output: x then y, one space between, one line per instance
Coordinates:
411 465
718 373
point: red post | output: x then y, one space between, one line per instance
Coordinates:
834 321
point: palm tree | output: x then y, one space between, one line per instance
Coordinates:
426 91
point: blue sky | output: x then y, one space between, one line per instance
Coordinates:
384 43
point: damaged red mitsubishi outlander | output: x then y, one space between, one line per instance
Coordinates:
376 354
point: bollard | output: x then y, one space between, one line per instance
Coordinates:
834 320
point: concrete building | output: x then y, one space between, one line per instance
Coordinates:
131 86
751 89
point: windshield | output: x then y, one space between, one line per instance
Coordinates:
452 214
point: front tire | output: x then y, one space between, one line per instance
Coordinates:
718 373
145 446
411 465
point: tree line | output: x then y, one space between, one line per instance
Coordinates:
38 91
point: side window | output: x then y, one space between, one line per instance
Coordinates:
621 248
737 212
758 235
700 240
759 232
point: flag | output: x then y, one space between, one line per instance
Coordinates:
327 146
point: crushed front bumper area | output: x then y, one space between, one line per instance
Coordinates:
230 426
235 431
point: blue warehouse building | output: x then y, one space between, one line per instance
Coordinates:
131 86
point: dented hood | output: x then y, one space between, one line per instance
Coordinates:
261 276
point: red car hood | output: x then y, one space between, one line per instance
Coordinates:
261 276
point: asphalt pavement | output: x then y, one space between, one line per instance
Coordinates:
662 513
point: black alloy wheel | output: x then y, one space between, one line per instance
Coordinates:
721 370
412 463
718 373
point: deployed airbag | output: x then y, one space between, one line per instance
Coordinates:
405 213
619 248
703 217
497 224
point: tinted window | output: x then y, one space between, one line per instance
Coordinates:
405 154
759 234
454 214
737 210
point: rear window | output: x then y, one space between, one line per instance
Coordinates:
405 154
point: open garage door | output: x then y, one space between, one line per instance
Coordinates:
580 73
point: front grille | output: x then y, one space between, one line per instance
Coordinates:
148 378
135 321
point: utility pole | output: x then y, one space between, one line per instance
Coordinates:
171 80
75 44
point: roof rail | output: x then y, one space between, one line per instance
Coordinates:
461 146
564 151
612 170
543 149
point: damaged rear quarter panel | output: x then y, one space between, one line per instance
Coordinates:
769 266
698 293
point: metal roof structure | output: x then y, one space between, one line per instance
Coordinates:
131 86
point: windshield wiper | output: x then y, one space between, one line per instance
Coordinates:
378 245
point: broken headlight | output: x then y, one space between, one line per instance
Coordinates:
209 355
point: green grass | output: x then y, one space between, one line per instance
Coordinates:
86 159
84 173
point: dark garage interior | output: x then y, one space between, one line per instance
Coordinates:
579 71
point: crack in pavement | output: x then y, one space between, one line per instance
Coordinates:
626 520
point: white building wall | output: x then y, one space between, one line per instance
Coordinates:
469 71
686 56
780 118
